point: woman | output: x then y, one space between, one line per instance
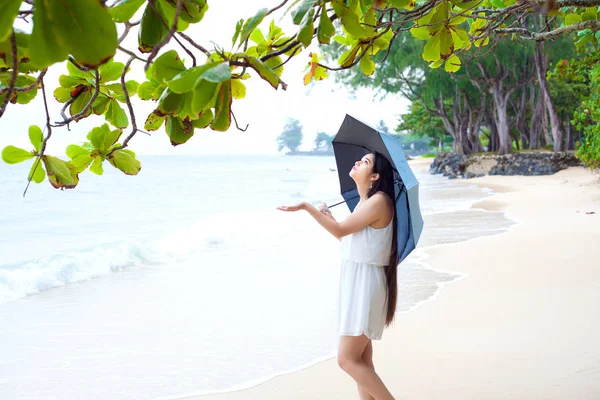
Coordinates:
368 287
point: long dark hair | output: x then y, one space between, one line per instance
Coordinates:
385 183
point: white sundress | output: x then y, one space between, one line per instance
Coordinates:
362 306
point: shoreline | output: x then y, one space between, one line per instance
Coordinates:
426 354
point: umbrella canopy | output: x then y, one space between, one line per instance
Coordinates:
355 139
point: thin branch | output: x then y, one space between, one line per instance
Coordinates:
48 134
80 114
186 50
13 76
236 123
276 8
134 129
196 45
132 54
27 88
594 25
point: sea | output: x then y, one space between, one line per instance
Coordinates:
186 280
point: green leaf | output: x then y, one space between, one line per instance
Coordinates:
265 72
186 80
274 63
145 90
83 28
407 4
350 21
238 89
193 11
62 94
179 131
498 3
97 136
80 102
453 64
100 105
152 31
186 109
111 138
571 19
204 92
589 14
124 161
68 81
154 121
302 9
431 52
97 166
217 74
37 173
307 28
257 36
367 66
8 12
82 162
347 57
36 137
383 42
436 64
170 103
15 155
73 151
111 71
116 115
167 66
238 29
124 10
446 43
326 29
204 120
222 119
62 175
252 23
45 46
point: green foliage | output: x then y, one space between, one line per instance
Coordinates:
291 137
199 93
582 76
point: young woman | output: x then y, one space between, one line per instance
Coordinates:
368 287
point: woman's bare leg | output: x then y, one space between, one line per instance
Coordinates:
350 353
367 358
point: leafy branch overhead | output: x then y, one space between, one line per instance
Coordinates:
194 87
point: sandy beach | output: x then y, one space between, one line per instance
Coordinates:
524 324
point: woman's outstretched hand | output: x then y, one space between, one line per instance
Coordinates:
296 207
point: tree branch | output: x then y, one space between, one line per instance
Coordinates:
236 123
134 129
594 25
276 8
196 45
75 117
13 76
49 133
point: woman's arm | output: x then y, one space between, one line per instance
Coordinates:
367 214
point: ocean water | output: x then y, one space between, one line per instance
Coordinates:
185 279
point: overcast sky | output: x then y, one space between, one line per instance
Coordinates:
320 106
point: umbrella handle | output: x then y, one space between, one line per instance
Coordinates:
395 182
342 202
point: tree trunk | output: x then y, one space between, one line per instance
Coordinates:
502 124
569 142
541 64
